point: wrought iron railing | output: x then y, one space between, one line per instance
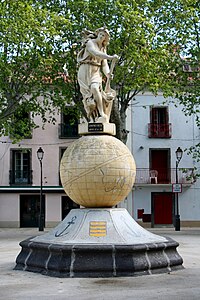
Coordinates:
185 176
20 177
159 130
68 131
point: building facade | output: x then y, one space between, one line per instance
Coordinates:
156 130
20 176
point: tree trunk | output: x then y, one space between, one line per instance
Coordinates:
119 118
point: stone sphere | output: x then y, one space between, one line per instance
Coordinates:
97 171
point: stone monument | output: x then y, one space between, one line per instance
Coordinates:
97 171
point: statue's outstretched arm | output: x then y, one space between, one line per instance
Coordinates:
92 50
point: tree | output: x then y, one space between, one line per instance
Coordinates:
38 37
145 63
31 64
183 31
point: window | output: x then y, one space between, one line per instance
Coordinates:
159 126
21 125
68 128
20 173
67 205
62 150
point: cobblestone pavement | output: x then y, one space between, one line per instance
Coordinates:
178 285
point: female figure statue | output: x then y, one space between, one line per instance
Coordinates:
92 61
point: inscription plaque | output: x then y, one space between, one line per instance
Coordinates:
97 127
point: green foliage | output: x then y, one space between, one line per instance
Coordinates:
150 36
30 62
147 57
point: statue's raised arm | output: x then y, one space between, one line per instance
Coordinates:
92 61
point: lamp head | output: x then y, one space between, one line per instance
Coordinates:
179 154
40 154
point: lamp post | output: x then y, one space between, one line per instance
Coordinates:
179 154
40 155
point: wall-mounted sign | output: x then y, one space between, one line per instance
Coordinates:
176 187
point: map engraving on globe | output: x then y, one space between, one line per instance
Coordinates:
97 171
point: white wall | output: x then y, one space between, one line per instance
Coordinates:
184 131
53 208
49 141
9 210
184 134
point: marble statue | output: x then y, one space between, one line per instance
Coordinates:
92 60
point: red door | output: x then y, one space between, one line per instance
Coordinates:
159 160
162 208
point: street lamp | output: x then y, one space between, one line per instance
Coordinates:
40 155
179 154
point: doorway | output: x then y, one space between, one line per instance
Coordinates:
160 161
162 207
30 209
67 205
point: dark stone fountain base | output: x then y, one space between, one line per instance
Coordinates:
98 243
81 260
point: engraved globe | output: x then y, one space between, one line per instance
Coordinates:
97 171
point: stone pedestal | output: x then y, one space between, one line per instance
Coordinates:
98 243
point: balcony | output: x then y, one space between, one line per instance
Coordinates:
20 177
67 131
159 130
185 176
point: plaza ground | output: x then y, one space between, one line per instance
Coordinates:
178 285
